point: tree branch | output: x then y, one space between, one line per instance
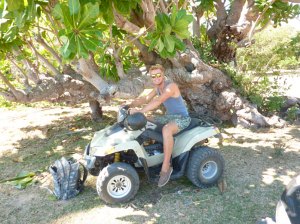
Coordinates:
148 57
163 6
46 63
32 72
116 55
218 25
124 24
235 12
6 81
149 12
258 19
41 41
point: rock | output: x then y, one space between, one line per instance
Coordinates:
243 123
290 101
276 121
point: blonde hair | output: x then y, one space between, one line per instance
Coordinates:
157 66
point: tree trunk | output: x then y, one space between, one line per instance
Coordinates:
231 27
96 110
207 91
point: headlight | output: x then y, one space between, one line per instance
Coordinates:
122 113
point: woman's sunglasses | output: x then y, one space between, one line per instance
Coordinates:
158 75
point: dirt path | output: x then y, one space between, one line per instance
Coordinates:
259 164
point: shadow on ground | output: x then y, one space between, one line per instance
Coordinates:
256 174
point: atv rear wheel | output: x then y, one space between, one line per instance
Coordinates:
117 183
205 167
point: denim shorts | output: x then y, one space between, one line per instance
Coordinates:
181 121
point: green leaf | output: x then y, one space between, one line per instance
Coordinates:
161 20
61 12
179 44
74 6
160 45
19 176
57 12
169 43
153 43
167 29
181 29
80 48
13 5
91 44
20 19
173 16
109 17
10 35
126 50
31 10
69 46
92 32
90 14
106 12
122 7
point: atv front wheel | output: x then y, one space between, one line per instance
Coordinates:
117 183
205 167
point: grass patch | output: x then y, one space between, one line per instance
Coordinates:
255 177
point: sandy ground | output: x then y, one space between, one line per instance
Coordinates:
252 170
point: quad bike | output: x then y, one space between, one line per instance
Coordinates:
134 143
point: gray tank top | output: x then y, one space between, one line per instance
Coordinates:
174 105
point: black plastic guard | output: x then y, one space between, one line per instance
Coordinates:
179 165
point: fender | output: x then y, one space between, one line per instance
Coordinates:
188 139
133 145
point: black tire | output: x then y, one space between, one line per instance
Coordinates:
117 183
205 167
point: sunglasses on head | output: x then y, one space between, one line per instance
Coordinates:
158 75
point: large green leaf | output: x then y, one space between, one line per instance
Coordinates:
31 10
181 15
80 48
69 46
2 4
22 180
153 43
13 5
122 6
161 21
20 19
10 35
179 44
90 14
91 44
169 43
92 32
181 29
74 7
160 45
125 6
61 12
167 29
57 12
106 11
